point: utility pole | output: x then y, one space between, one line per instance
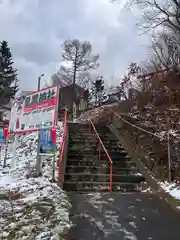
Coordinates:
39 81
38 160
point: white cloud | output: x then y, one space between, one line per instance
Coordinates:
36 29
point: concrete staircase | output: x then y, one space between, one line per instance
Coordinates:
85 172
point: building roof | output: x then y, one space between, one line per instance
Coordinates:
162 71
77 86
79 91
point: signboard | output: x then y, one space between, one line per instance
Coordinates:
46 142
2 138
16 112
36 111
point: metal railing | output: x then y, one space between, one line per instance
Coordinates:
153 135
133 125
106 152
63 144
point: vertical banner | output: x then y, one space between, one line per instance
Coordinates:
6 145
47 144
16 112
14 126
2 137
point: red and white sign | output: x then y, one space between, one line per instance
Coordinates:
37 110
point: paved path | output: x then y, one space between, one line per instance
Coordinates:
118 216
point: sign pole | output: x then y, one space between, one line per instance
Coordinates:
53 134
38 160
53 170
6 136
13 163
5 153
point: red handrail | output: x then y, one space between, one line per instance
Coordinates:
61 149
107 154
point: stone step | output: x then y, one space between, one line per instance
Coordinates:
102 158
88 129
94 154
85 129
79 125
103 177
89 151
93 142
88 132
103 163
94 145
87 135
100 186
85 126
86 173
100 170
84 143
95 151
97 158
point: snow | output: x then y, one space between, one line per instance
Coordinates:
97 112
110 223
172 188
32 208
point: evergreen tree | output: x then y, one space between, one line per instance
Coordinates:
8 75
97 90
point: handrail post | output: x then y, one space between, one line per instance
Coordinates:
93 138
99 151
62 147
60 161
111 174
89 128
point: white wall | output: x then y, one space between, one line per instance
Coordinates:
6 115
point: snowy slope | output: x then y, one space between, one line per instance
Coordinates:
32 208
172 188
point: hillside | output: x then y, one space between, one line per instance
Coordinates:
32 207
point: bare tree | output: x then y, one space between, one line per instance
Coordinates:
156 13
126 81
78 64
166 50
84 79
63 77
78 61
79 54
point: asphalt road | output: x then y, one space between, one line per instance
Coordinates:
117 216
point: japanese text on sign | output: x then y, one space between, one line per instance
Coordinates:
40 97
37 110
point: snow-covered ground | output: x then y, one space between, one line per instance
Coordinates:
172 188
31 207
